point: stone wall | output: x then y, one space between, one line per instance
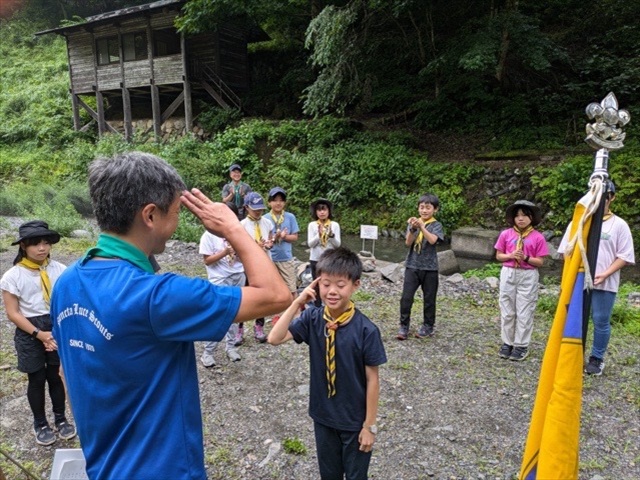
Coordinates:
173 127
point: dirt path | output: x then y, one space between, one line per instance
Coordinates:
449 407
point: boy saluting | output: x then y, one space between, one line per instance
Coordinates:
345 350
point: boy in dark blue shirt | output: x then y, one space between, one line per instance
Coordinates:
345 350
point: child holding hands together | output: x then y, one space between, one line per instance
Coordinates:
345 350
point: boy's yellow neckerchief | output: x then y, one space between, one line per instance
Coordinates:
522 234
417 244
331 327
257 233
324 233
45 282
277 220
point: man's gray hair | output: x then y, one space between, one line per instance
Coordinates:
121 186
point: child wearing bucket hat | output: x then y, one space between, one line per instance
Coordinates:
521 249
26 292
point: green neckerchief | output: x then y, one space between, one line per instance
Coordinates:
109 246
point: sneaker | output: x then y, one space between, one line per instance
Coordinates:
403 332
66 431
519 353
258 333
595 366
207 360
505 351
425 331
44 435
239 336
233 355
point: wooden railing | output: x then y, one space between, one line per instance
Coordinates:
214 85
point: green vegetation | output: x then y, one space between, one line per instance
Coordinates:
489 270
294 446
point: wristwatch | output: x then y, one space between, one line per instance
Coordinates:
35 333
372 428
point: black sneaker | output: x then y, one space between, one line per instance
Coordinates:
425 331
403 333
505 351
44 435
519 353
66 431
595 366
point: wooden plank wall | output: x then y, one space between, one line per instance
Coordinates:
167 70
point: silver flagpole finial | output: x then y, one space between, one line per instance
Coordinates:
606 131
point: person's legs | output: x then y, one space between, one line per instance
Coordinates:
329 452
355 462
429 281
507 300
526 300
56 391
35 396
409 287
601 308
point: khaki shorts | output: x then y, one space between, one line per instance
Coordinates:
288 273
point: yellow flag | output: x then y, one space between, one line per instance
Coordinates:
552 447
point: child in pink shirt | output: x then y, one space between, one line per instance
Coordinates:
521 249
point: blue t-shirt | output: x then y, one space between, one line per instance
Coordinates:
125 338
283 251
358 344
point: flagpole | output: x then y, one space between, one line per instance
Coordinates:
604 134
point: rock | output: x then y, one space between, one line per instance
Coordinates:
455 278
548 234
493 282
365 253
368 266
634 299
393 272
447 263
80 234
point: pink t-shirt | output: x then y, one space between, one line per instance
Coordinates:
615 242
535 245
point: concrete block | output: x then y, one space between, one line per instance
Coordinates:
473 242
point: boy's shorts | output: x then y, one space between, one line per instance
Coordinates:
288 273
32 355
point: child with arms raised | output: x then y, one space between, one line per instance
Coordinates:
345 351
521 249
421 267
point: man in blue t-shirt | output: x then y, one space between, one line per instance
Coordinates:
125 336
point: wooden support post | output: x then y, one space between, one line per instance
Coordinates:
76 112
188 112
126 108
102 123
157 113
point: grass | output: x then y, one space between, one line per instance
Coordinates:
294 446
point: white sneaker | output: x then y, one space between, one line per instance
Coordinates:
207 360
233 355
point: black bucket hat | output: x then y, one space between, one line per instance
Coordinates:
513 209
34 229
320 201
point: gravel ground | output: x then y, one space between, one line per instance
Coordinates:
450 408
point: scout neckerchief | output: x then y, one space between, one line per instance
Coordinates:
277 220
231 257
45 283
330 333
257 233
109 246
324 233
237 199
522 234
417 244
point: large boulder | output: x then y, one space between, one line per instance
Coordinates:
447 263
